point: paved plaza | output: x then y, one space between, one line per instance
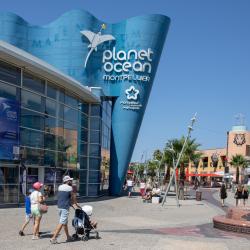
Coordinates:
128 223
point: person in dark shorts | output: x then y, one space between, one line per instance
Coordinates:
66 198
238 195
245 194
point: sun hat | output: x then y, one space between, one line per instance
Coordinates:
88 209
37 185
67 178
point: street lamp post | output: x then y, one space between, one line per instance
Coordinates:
190 128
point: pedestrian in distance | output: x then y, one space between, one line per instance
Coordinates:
36 198
142 187
66 198
245 194
129 186
223 194
28 215
238 194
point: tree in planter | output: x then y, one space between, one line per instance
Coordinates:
238 161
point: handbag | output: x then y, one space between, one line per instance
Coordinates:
43 208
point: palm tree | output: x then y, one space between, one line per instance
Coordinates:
190 153
238 161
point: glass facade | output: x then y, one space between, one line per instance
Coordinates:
59 134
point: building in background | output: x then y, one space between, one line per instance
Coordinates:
72 98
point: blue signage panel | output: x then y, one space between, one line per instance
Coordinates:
9 128
121 58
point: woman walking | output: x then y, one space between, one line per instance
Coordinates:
223 194
238 195
36 198
245 194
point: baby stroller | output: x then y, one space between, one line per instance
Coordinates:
82 224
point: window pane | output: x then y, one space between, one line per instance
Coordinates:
83 163
9 73
94 190
31 138
32 101
49 158
50 125
71 101
94 163
94 176
32 119
70 115
33 156
84 121
50 141
7 91
84 107
83 176
95 136
95 123
83 148
84 135
50 107
33 82
95 110
94 150
82 189
51 91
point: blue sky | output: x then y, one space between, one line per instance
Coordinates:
204 68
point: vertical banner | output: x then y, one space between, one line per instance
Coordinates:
9 128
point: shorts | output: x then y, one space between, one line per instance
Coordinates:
28 218
35 211
130 188
64 215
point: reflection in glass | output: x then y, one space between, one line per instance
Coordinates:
70 114
33 156
95 123
33 82
95 110
32 119
7 91
51 91
94 136
50 107
94 163
95 150
31 138
32 101
9 73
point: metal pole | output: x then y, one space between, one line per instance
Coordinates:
190 128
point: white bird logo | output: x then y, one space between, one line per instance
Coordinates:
95 39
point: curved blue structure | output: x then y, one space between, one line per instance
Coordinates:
120 58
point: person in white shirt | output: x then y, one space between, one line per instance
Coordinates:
142 187
129 186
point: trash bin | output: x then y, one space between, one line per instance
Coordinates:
198 195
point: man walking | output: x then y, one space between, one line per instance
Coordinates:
66 198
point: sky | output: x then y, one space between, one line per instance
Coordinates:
204 67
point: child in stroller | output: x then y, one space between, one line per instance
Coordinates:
82 223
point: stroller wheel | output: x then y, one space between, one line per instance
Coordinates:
97 236
75 236
85 238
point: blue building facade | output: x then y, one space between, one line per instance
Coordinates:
121 59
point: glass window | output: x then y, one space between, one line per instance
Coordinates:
31 138
61 158
61 95
50 125
83 176
50 141
95 110
49 158
94 190
71 101
83 148
31 119
32 101
94 176
70 114
94 150
33 156
83 163
50 107
84 107
94 163
84 121
33 82
61 111
82 189
84 135
51 91
95 136
9 73
95 123
7 91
